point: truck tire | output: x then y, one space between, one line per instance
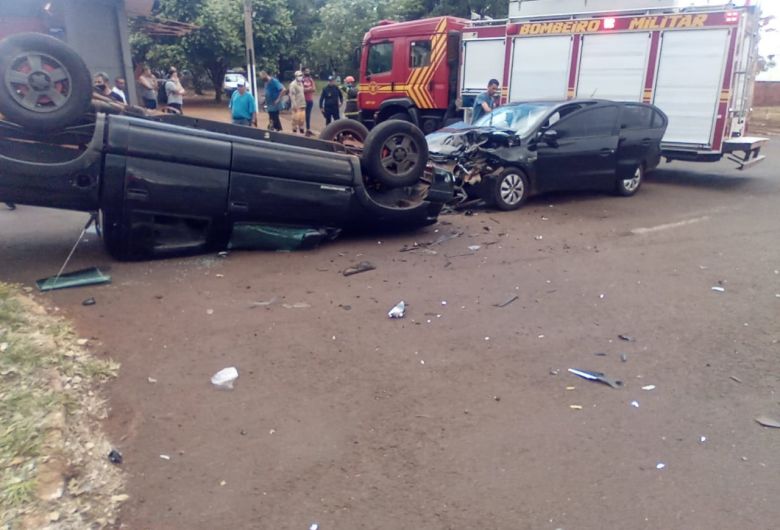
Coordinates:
45 84
346 130
395 153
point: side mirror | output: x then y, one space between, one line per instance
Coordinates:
550 137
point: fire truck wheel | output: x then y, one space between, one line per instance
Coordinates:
346 132
401 116
395 153
509 189
45 84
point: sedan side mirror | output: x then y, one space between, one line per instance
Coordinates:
550 137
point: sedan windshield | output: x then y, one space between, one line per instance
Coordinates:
518 118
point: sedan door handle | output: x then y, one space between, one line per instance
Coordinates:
645 141
607 151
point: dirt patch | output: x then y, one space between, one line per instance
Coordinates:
765 120
54 471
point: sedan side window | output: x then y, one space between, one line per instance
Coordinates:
590 122
636 117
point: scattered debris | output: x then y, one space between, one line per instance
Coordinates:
496 398
575 407
596 376
570 387
507 302
719 289
660 465
635 404
538 238
474 248
702 439
648 387
297 305
223 254
115 457
735 379
209 311
80 278
263 303
398 311
82 342
225 378
626 338
623 357
88 301
249 236
600 354
363 266
314 526
345 307
766 421
554 371
151 380
165 457
444 302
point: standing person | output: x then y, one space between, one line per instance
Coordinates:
174 90
242 106
486 101
101 85
351 110
274 90
148 84
298 102
118 92
330 101
309 88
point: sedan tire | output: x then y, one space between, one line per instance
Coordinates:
629 186
509 189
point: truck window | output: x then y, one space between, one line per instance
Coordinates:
420 54
380 58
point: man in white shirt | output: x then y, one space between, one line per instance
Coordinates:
118 92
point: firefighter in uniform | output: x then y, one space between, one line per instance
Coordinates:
351 110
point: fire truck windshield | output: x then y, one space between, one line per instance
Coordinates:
518 117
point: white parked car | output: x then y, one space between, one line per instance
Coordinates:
231 82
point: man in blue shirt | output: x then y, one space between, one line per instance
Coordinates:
485 102
274 91
242 106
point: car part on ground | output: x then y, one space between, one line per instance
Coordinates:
46 85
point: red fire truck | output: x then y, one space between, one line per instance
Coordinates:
696 63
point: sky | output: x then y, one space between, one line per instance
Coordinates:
770 42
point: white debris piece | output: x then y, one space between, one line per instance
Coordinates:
718 289
225 378
398 311
648 387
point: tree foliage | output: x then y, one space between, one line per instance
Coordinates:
322 34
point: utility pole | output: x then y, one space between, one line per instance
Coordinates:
250 52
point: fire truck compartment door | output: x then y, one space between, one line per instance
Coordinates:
483 60
540 68
613 66
690 78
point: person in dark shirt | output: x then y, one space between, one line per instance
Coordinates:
330 101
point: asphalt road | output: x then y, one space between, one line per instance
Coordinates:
462 415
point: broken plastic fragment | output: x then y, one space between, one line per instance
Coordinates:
660 465
575 407
398 311
80 278
719 289
474 248
596 376
115 457
648 387
635 404
766 421
363 266
225 378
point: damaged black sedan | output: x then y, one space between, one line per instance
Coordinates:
523 149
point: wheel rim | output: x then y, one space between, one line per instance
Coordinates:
633 183
38 82
512 189
399 154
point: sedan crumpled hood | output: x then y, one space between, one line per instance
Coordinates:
455 137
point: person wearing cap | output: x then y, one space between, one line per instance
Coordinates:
298 103
330 101
242 106
486 101
351 110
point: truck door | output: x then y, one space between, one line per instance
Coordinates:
690 78
378 74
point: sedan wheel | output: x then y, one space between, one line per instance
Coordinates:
629 186
510 189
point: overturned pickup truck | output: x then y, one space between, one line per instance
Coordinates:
169 184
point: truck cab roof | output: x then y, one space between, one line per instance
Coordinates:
413 27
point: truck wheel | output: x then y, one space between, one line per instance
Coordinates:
400 116
628 186
45 84
509 189
395 153
346 132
